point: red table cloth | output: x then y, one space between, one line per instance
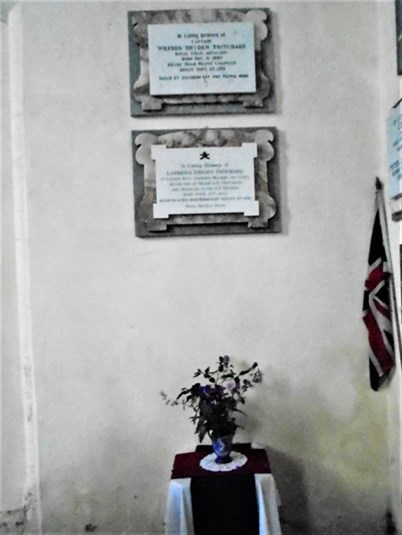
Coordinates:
224 503
188 464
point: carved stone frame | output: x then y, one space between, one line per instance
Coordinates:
143 104
267 187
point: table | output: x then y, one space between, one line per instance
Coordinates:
191 507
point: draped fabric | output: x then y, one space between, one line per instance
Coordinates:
188 464
224 503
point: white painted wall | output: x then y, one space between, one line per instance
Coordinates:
116 318
389 95
12 451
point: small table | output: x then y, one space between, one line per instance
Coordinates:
243 501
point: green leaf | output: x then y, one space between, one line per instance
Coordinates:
202 433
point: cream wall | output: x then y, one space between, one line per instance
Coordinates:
115 319
12 443
389 95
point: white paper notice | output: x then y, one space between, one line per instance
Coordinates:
205 180
212 57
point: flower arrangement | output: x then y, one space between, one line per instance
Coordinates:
216 402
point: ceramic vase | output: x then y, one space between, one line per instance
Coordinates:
222 447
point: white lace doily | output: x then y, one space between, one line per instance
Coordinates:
208 462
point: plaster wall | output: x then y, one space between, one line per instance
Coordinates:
389 95
116 318
12 444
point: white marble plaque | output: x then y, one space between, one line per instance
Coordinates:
205 180
212 57
394 133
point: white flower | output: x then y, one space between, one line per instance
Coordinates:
230 385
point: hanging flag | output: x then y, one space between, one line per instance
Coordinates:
377 303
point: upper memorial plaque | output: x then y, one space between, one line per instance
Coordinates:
191 59
201 61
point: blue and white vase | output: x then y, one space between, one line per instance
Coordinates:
222 447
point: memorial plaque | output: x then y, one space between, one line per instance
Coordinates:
201 58
207 180
201 61
394 134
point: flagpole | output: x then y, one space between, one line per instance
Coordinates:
380 197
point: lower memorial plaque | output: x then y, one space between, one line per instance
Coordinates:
205 182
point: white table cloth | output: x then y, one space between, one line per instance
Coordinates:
179 516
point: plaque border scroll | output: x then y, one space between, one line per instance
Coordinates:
143 104
266 174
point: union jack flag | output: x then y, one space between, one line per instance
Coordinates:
377 306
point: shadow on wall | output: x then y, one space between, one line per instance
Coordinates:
289 477
328 449
340 514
